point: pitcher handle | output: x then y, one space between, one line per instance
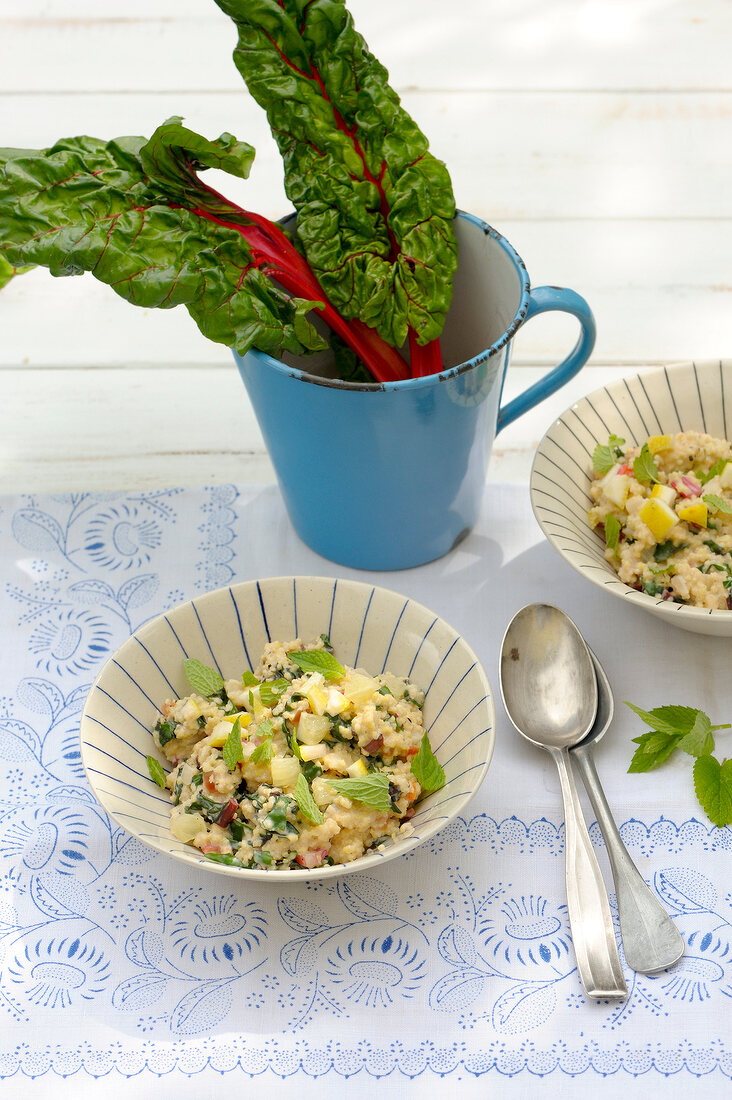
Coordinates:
544 299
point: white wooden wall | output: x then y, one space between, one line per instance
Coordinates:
596 134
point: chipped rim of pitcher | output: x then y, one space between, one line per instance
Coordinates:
429 379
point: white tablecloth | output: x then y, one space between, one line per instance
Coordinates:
453 970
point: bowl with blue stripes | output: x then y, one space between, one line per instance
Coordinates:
683 397
370 627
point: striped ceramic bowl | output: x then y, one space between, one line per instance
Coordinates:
370 627
684 397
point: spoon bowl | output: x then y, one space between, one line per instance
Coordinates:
548 680
549 690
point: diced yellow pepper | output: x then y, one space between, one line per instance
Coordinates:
223 728
318 699
658 517
244 719
658 443
219 736
695 513
337 702
357 770
666 493
313 752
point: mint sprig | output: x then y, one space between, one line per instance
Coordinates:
691 730
156 771
249 679
604 457
644 466
232 750
717 504
372 790
206 681
318 660
306 803
426 769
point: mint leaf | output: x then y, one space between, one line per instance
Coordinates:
644 466
713 786
612 531
716 469
318 660
605 457
206 681
156 771
699 741
270 691
372 790
668 719
653 749
425 768
264 751
306 803
716 503
249 679
232 751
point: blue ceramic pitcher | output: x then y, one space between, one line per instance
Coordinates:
389 476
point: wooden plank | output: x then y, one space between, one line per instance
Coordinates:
514 155
89 430
660 290
64 44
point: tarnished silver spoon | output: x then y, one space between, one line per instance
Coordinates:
549 691
651 941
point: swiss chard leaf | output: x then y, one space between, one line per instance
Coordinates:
8 272
374 206
136 215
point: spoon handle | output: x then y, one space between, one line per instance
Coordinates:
590 921
651 940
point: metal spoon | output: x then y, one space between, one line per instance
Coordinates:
549 690
651 941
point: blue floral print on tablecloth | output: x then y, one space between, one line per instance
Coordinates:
457 949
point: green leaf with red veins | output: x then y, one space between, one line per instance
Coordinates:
374 207
135 214
8 272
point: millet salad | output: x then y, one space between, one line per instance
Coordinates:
664 510
300 763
